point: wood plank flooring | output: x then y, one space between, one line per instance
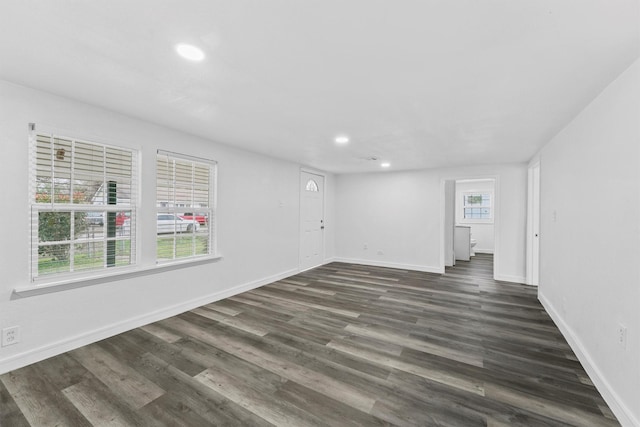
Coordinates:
339 345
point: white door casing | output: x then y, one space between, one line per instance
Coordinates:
533 226
449 222
311 220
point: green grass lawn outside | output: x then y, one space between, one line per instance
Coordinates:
185 246
90 256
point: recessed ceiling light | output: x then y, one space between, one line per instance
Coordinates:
190 52
385 164
342 139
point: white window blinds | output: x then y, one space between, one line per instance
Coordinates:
185 200
83 205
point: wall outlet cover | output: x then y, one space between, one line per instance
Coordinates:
10 336
622 335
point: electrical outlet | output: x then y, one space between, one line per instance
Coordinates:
10 336
622 335
365 247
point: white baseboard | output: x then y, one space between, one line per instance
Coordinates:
620 410
413 267
37 354
509 278
484 251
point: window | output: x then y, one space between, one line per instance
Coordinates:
312 186
185 207
83 205
477 207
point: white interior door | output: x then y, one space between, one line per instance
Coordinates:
311 220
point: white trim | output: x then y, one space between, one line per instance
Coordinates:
443 215
73 281
315 266
483 251
497 224
621 411
32 356
312 171
401 266
160 152
530 225
529 236
509 278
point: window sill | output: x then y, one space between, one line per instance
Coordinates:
79 282
476 221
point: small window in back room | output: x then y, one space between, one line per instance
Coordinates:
477 206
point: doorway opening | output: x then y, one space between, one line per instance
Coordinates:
470 221
479 266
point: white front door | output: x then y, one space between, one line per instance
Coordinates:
311 220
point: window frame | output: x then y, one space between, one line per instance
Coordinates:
464 206
176 207
40 279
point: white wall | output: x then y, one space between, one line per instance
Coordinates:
481 231
401 214
258 208
590 239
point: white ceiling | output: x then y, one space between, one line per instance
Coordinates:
421 84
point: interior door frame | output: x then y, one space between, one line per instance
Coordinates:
324 212
533 224
496 217
448 247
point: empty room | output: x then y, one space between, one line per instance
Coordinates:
320 213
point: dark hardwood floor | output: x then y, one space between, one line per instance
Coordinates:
340 345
